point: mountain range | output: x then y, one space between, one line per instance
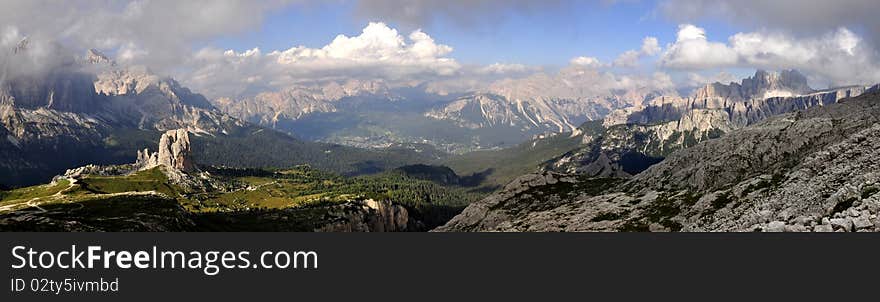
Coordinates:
93 111
540 153
370 114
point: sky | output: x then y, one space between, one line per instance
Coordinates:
234 47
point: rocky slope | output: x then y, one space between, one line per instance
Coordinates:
626 150
643 135
812 170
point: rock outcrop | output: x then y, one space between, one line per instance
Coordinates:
174 152
94 56
367 216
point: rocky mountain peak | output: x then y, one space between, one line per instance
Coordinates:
94 56
22 46
785 81
762 85
174 152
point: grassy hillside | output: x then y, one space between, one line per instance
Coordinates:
247 146
502 166
301 193
254 147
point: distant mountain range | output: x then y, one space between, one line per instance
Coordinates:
93 111
370 114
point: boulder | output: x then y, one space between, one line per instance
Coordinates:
775 227
823 228
862 222
845 224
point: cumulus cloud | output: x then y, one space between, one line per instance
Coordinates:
378 52
802 17
692 50
590 62
650 46
501 68
838 57
630 58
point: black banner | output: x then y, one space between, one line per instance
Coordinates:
457 267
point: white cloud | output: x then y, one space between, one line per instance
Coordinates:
800 17
576 82
33 56
836 58
378 52
650 46
695 79
502 69
590 62
692 50
630 58
379 46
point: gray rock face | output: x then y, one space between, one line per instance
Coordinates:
93 56
814 170
369 216
762 85
755 99
626 150
174 152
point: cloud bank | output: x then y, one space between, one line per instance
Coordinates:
834 43
838 57
378 52
158 33
800 17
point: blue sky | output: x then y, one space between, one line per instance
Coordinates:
548 37
723 43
